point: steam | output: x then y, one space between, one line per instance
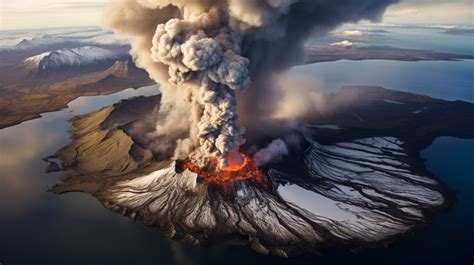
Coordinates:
206 52
272 153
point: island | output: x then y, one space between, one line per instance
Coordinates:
348 51
352 179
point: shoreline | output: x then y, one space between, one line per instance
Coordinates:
64 105
123 167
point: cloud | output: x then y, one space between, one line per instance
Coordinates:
31 6
344 43
50 13
350 33
444 26
58 13
210 51
358 35
430 12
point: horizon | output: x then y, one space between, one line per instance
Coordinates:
48 14
370 24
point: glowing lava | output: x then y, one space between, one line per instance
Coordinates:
240 167
236 161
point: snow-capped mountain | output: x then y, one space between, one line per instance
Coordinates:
68 58
46 40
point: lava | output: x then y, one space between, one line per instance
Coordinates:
236 161
240 167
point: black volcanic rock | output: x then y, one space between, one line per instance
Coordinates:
374 110
53 167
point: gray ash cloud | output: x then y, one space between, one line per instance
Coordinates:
204 53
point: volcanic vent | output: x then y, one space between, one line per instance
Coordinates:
239 167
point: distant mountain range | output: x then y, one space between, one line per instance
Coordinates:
43 71
33 41
31 95
30 43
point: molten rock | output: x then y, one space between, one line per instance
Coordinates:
238 169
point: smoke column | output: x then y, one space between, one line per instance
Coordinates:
204 52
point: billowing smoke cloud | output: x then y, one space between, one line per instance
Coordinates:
205 52
272 153
298 95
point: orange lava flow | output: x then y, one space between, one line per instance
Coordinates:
237 169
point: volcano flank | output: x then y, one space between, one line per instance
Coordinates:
356 183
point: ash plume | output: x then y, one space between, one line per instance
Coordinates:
204 53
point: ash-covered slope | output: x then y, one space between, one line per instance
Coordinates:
351 197
352 194
353 187
45 63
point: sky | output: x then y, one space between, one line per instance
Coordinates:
25 14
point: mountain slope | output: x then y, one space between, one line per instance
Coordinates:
63 59
25 101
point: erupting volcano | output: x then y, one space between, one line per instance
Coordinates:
232 151
239 167
204 54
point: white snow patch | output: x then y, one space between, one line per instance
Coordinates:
69 57
317 204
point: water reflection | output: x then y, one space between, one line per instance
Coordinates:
23 181
20 161
443 80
